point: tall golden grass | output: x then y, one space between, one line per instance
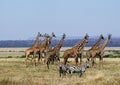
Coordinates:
13 71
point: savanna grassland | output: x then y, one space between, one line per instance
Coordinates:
13 70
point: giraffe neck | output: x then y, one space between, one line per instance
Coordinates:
43 43
50 39
80 44
96 44
104 44
36 42
60 43
81 48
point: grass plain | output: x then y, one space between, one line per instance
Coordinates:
13 71
16 52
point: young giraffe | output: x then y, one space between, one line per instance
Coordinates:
100 50
74 50
58 46
54 53
45 45
80 52
89 52
30 51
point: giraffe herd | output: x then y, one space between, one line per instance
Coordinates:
52 54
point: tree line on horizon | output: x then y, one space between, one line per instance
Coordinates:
114 42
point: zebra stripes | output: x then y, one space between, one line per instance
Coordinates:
63 69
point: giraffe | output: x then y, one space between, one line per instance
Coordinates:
54 53
50 40
58 46
81 49
100 50
49 57
45 45
89 52
74 50
80 52
30 50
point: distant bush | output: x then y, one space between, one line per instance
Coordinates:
118 56
84 56
23 56
9 57
111 56
10 51
114 51
108 56
21 51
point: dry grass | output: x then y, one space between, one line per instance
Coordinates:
14 72
5 52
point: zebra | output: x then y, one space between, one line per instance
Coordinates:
80 70
63 69
75 69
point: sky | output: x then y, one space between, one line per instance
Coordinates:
23 19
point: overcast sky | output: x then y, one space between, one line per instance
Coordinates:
22 19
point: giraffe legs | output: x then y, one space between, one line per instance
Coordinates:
26 60
80 56
76 60
40 57
34 58
93 62
92 58
57 59
88 56
65 60
101 56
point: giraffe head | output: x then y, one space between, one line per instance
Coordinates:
50 38
86 37
53 34
64 35
109 36
46 35
101 36
39 34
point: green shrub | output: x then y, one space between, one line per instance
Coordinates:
9 57
23 56
108 56
111 56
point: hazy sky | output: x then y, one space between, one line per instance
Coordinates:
22 19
